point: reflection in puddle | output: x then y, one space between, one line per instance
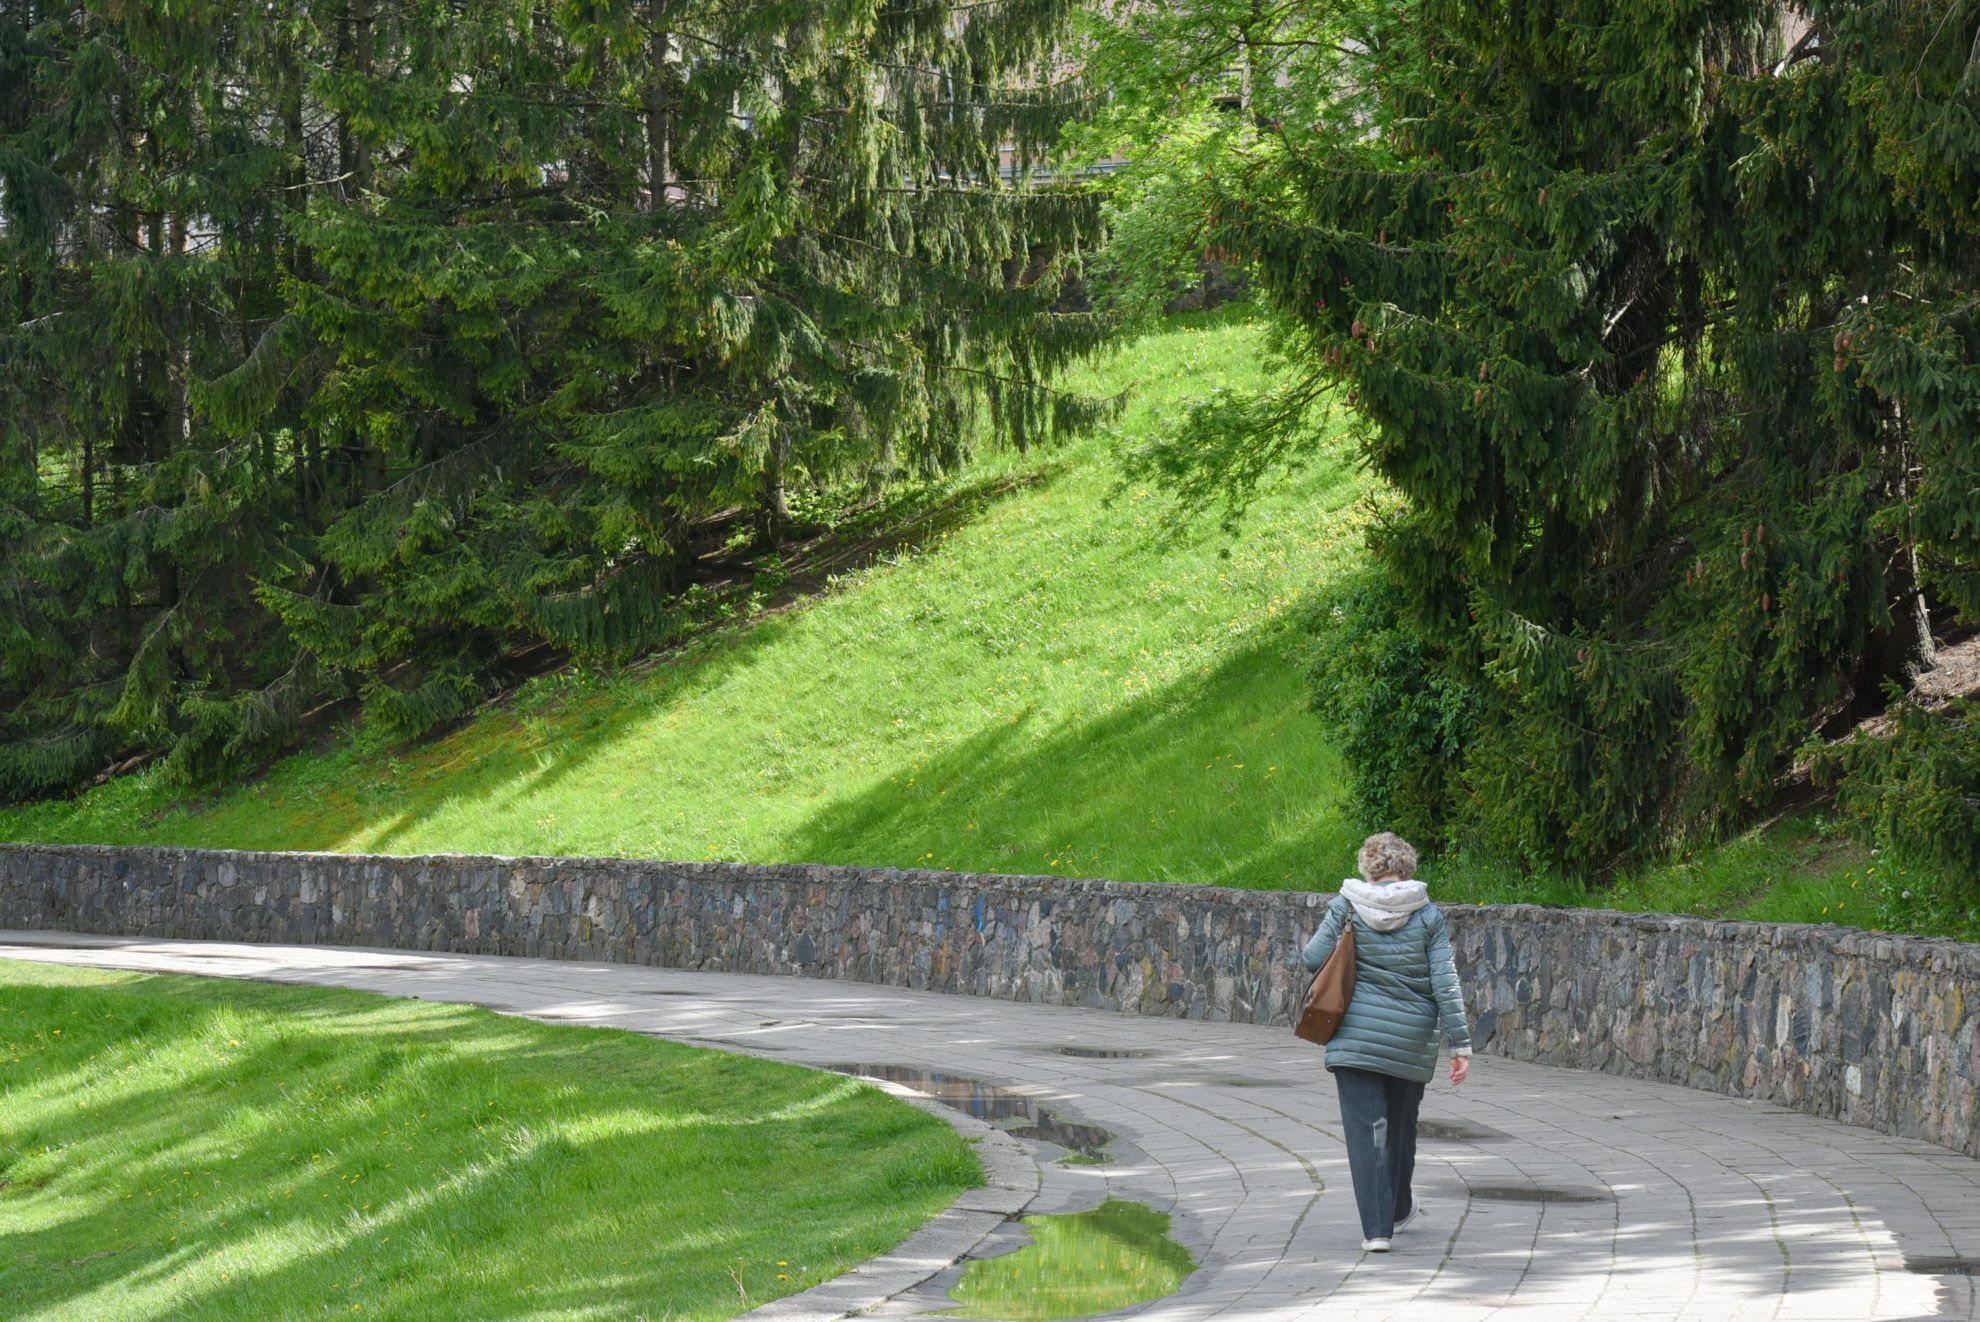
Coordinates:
1117 1255
1942 1266
1227 1082
1533 1193
1089 1141
1101 1053
1456 1132
998 1106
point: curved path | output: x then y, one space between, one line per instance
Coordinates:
1550 1193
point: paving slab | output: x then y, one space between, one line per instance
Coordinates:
1551 1194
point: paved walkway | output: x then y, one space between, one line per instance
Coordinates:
1550 1193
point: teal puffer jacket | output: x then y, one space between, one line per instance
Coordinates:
1405 981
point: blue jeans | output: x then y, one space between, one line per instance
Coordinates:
1378 1118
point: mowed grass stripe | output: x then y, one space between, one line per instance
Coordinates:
185 1147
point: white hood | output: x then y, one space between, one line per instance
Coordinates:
1387 906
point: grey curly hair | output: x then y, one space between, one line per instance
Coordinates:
1387 854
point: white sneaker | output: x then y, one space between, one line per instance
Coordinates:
1374 1246
1415 1211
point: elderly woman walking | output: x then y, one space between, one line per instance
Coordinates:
1385 1049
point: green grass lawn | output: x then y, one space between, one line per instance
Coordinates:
1046 681
185 1147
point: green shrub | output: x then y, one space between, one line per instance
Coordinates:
1402 722
1916 794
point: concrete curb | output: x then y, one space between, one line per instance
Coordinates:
1010 1183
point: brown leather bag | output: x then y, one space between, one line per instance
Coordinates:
1333 987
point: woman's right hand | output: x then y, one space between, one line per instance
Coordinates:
1460 1069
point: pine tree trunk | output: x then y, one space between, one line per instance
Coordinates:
296 145
1892 652
659 126
178 360
1924 647
680 555
776 516
1244 79
363 16
145 424
354 466
311 484
88 478
1921 616
126 634
354 39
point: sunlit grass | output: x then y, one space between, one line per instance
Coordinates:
1078 1266
181 1147
1053 684
1803 868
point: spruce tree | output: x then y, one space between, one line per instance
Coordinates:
354 345
1662 322
137 202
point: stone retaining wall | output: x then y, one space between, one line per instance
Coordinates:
1874 1030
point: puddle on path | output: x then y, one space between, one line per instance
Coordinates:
1456 1131
1077 1265
1087 1141
1942 1266
1023 1116
1533 1193
1229 1081
1100 1053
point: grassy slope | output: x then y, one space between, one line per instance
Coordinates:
184 1147
1047 685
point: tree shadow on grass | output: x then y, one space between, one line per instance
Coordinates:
503 757
251 1151
499 762
1204 780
